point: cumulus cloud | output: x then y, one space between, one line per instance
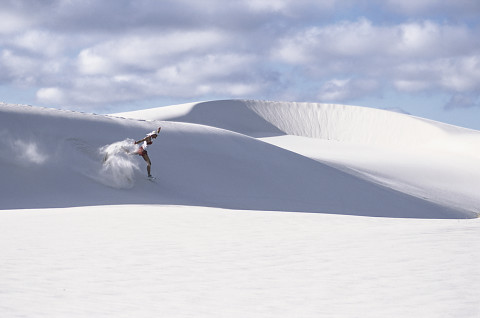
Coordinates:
146 52
346 89
347 39
447 8
454 74
19 69
11 22
410 57
94 54
51 95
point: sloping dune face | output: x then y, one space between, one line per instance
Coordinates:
54 158
235 115
359 125
427 159
352 124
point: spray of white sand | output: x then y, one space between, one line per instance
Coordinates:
119 164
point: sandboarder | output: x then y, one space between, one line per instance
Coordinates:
142 151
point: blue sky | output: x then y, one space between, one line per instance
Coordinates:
420 56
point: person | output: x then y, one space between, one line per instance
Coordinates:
142 150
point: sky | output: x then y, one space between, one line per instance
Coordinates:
417 56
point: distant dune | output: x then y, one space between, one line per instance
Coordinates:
360 125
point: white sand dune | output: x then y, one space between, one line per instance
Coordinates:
176 261
391 228
57 155
342 123
422 158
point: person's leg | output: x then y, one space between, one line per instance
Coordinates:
149 163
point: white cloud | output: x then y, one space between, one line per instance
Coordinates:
192 76
18 69
425 39
90 63
107 52
344 39
267 5
446 8
410 57
411 85
334 90
51 95
40 42
412 6
181 64
11 22
146 51
291 8
458 74
430 39
344 89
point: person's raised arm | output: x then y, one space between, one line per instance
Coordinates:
140 141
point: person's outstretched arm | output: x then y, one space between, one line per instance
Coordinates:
141 140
